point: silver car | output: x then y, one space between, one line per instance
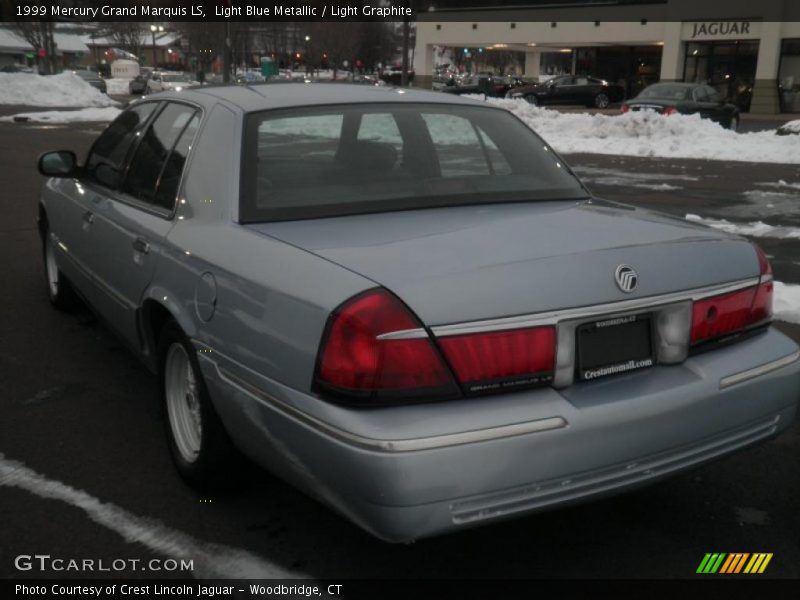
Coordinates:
406 304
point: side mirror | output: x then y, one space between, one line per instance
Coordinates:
61 163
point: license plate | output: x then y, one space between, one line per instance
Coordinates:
615 345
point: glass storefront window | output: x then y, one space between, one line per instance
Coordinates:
728 67
789 76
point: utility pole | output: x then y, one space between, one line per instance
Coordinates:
226 55
404 72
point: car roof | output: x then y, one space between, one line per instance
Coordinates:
266 96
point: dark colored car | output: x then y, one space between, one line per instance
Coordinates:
571 89
492 85
686 99
93 79
138 84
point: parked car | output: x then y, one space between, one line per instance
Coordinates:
394 75
496 86
686 99
93 79
571 89
406 304
138 85
166 81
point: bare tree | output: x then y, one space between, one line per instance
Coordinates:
128 36
40 36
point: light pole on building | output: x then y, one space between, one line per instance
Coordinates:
153 29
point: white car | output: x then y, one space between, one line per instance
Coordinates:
162 81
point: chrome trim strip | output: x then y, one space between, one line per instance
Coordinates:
583 312
731 380
389 446
404 334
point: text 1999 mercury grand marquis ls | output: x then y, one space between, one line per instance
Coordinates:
405 303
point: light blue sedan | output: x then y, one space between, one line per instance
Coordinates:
407 305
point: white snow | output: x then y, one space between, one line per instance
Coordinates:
118 86
65 89
753 229
787 302
791 126
652 135
780 184
68 116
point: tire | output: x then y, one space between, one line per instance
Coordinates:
59 290
532 99
200 447
601 100
734 124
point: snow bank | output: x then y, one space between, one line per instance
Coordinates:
787 302
792 127
65 89
753 229
649 134
68 116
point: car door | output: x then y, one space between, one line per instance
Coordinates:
704 105
562 91
75 217
721 110
132 223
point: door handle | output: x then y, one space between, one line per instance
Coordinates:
141 246
88 217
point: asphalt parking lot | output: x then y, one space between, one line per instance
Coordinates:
78 408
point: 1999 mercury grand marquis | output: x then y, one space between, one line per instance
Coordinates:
406 304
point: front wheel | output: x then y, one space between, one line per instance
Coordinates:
200 447
58 288
532 99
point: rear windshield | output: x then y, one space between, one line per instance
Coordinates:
666 91
319 162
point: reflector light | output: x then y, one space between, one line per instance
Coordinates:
525 355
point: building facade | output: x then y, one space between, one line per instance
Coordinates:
750 52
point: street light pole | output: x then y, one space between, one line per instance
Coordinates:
153 29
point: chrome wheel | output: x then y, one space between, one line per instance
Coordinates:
734 124
183 402
532 100
601 101
50 267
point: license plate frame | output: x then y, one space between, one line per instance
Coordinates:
634 335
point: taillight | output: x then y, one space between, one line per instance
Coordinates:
503 359
669 110
625 108
729 313
375 347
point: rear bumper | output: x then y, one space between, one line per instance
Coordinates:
408 472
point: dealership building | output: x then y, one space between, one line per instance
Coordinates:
749 51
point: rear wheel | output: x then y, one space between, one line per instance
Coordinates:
201 449
601 100
58 288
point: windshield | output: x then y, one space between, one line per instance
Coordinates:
330 161
176 78
666 91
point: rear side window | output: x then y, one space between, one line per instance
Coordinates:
317 162
109 151
152 154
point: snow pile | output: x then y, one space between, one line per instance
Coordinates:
67 116
753 229
792 127
646 133
780 184
118 86
65 89
787 302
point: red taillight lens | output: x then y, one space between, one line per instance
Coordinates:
625 108
669 110
503 359
728 313
360 356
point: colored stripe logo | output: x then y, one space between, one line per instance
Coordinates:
734 563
